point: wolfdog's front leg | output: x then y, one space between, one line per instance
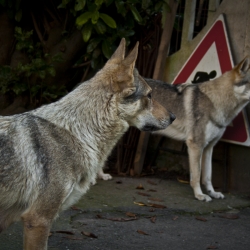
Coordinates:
103 176
195 153
36 231
207 172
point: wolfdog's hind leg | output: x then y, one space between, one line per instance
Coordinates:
36 231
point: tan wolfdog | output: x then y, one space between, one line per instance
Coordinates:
203 111
49 156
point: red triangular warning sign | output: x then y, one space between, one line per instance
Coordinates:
211 58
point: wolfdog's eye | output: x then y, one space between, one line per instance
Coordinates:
149 96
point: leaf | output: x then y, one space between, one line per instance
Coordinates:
98 216
143 194
91 235
98 2
93 43
42 74
153 219
80 5
129 214
212 247
151 182
108 20
100 27
18 15
125 33
155 199
145 4
120 8
83 18
106 49
152 190
51 71
136 14
175 218
72 238
86 31
108 2
140 186
75 208
201 219
2 2
229 216
157 205
64 232
122 219
140 203
141 232
95 17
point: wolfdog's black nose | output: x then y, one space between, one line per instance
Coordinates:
172 117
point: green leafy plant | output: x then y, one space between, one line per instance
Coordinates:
30 76
45 32
104 22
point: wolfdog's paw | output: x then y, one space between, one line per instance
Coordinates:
203 197
105 176
216 195
93 182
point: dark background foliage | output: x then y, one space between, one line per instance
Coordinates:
48 46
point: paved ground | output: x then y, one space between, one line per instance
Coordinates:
164 215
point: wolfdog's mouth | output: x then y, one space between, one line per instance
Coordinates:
150 128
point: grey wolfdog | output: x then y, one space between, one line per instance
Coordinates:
49 156
203 111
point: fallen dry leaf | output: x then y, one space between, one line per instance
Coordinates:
118 182
229 216
75 208
91 235
129 214
212 247
140 203
140 186
122 219
153 219
175 218
72 238
141 232
200 218
143 194
151 209
64 232
98 216
157 205
152 190
151 182
155 199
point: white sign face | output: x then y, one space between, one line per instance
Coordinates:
210 59
207 65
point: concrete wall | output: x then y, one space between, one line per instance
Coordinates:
237 18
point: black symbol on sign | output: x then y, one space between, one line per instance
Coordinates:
201 76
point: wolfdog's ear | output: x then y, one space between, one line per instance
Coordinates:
243 66
131 58
120 51
128 92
